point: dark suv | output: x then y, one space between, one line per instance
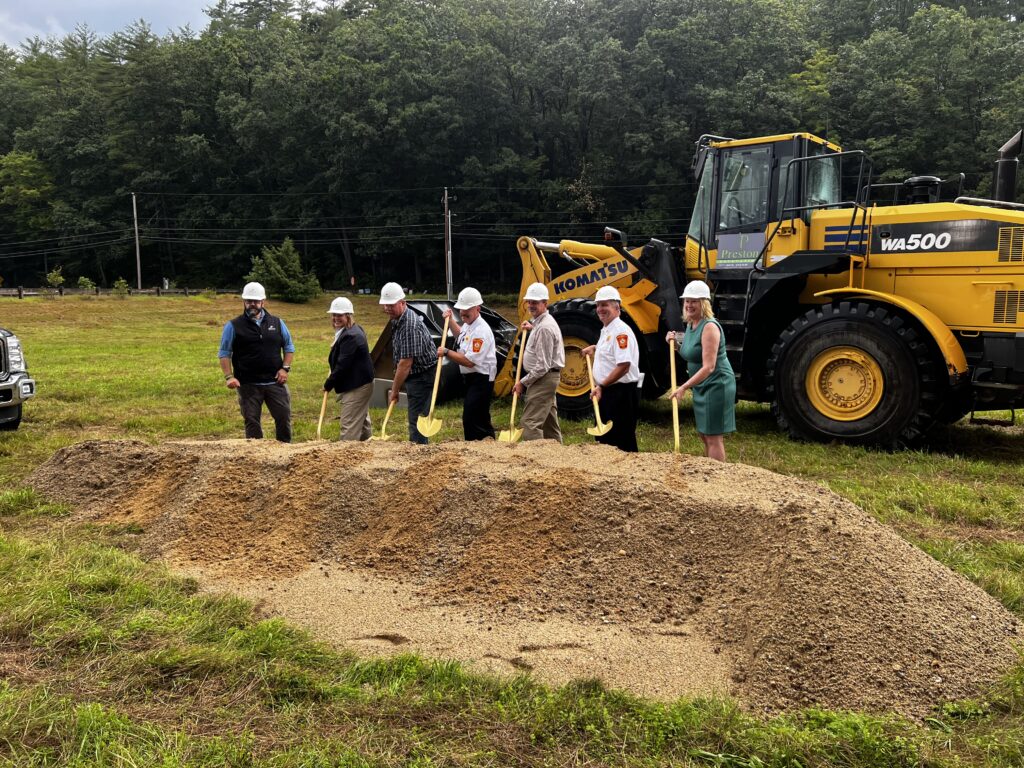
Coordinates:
15 385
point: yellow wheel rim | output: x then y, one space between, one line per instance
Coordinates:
844 383
574 381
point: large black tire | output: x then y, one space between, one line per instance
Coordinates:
856 372
577 319
12 424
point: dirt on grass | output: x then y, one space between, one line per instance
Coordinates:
664 575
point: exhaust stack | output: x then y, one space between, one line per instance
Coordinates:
1004 180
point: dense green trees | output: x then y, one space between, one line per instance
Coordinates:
339 125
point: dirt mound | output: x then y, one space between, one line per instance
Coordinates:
808 598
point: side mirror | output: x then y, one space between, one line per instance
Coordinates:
614 237
698 161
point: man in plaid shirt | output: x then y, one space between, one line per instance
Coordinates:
414 355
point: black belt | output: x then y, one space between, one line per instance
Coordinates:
554 370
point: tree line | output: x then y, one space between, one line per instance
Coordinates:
340 125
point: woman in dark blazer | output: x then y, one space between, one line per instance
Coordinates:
351 371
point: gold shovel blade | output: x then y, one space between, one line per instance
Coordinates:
427 426
510 436
600 429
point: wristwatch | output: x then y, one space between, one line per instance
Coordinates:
287 368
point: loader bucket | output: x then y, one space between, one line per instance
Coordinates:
451 386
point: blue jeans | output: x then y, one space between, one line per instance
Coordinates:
418 390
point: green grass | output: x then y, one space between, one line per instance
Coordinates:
125 662
108 660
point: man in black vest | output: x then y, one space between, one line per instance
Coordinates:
251 348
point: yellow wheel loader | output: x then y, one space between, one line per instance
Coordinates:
862 312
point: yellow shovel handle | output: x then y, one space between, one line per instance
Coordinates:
323 410
437 373
675 402
590 375
519 371
384 425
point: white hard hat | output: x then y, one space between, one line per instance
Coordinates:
607 293
254 292
391 293
537 292
696 289
469 297
341 306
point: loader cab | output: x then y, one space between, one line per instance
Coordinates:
745 187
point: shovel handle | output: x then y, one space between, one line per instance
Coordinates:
323 410
590 375
675 402
519 371
437 373
384 425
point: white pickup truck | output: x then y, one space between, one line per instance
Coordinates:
15 384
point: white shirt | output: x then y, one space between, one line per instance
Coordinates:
617 344
476 341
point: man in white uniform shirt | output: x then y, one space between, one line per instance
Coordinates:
478 363
616 372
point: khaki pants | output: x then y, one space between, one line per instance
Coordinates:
355 413
540 414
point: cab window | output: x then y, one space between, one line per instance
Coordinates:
824 179
746 177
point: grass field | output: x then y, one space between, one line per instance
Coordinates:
107 660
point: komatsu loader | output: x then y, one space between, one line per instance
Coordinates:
862 312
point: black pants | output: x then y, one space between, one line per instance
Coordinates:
251 398
476 408
619 404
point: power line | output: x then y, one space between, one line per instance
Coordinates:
64 237
457 187
356 241
69 249
287 229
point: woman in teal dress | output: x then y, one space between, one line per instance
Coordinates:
711 378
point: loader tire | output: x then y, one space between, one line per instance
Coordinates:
856 372
577 319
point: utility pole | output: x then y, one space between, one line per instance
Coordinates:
448 242
138 257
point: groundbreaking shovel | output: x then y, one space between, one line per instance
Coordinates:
320 424
675 402
512 435
428 425
602 427
384 427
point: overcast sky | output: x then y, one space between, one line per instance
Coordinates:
23 19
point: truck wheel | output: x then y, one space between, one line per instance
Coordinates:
856 372
10 426
580 328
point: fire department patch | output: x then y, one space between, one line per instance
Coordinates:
623 340
478 344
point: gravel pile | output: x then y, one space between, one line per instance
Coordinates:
807 598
